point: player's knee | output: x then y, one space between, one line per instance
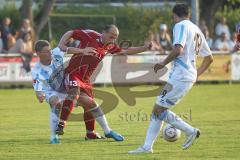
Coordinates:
72 97
92 104
87 102
73 94
158 110
87 105
160 113
96 112
54 101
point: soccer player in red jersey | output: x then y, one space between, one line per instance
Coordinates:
92 48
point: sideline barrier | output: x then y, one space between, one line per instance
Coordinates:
127 69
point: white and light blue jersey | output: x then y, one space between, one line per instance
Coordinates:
49 78
190 37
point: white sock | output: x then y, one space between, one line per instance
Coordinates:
101 119
53 122
103 123
152 132
177 122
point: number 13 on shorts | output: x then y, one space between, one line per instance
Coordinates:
73 83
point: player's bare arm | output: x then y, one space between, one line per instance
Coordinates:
135 50
205 64
64 40
40 96
73 50
177 50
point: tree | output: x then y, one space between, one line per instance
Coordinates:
26 10
41 18
209 10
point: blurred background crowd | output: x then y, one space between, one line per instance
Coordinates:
25 21
16 41
21 40
224 39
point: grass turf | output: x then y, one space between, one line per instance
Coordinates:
215 109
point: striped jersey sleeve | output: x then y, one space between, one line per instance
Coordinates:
180 34
37 84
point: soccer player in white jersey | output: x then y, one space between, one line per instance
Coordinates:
188 41
48 84
50 61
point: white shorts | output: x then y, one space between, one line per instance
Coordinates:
49 94
172 93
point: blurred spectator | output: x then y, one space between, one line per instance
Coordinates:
221 44
7 37
222 27
11 41
1 43
26 28
155 45
203 25
233 40
208 39
23 44
163 38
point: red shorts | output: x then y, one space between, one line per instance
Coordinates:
74 80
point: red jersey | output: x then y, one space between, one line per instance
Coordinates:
86 64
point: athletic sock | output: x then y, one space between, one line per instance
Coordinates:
152 132
53 121
101 119
89 122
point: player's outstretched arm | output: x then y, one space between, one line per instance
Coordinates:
135 50
63 44
64 40
177 50
205 64
73 50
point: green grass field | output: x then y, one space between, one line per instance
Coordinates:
215 109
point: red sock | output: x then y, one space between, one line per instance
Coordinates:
66 109
89 121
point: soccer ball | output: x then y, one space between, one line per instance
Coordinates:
170 133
